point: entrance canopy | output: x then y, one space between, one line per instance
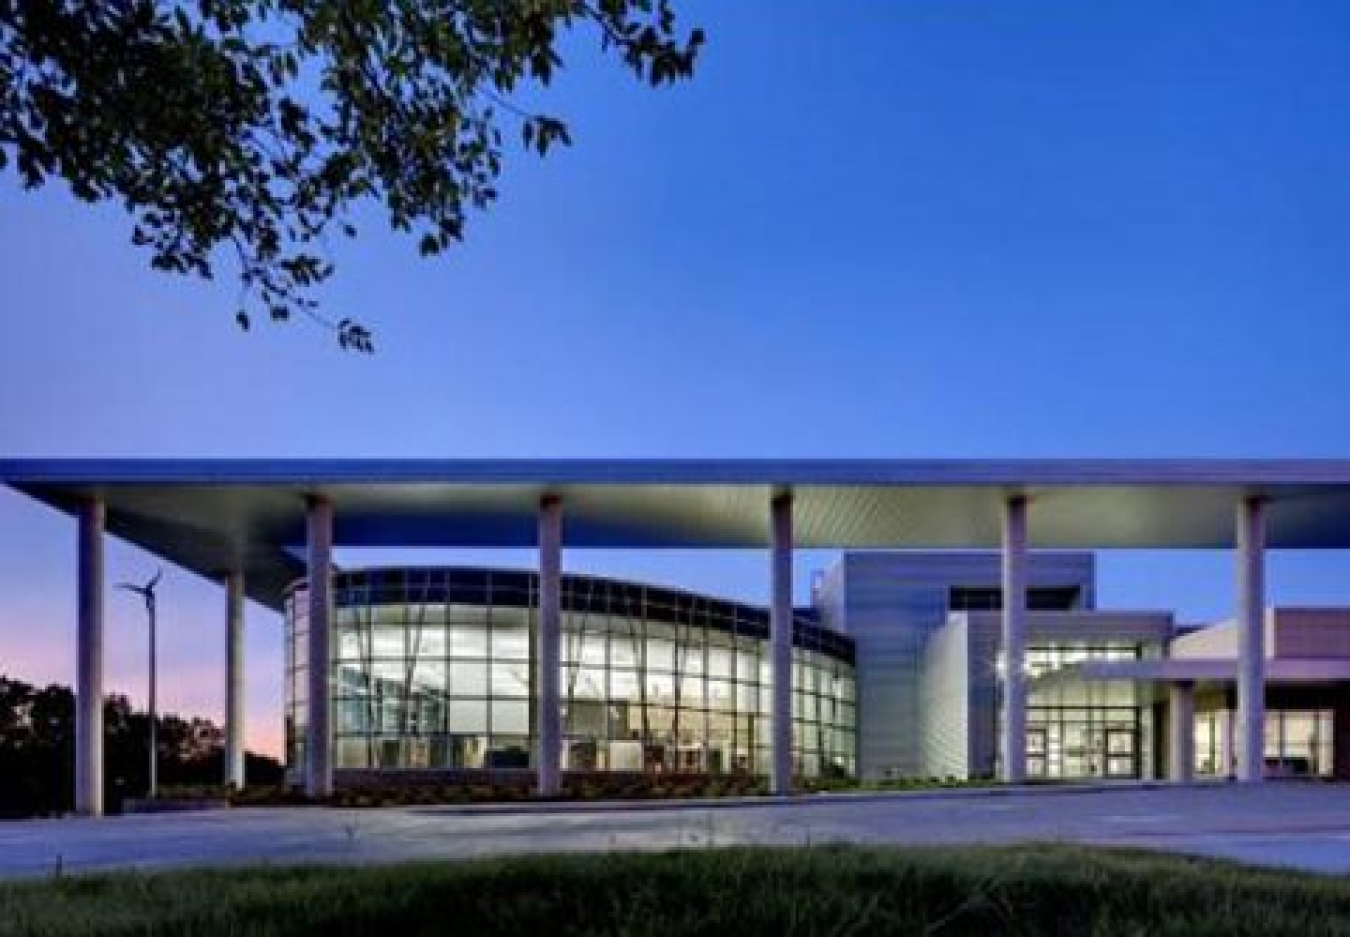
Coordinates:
1200 670
214 516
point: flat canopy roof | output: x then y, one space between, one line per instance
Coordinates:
212 515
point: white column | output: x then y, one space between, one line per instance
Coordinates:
89 662
1181 731
234 679
318 726
549 661
1251 681
1228 745
780 641
1014 763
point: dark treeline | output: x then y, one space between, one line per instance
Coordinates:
37 751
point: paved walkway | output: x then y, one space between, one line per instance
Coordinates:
1305 826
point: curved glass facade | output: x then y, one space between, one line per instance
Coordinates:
433 670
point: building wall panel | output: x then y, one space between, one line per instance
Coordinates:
892 603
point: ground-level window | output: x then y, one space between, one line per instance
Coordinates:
1298 743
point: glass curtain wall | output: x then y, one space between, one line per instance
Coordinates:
434 670
1298 743
1080 728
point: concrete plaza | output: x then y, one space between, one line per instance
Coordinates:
1300 825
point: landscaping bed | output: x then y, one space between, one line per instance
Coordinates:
389 789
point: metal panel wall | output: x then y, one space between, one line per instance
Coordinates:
892 602
1311 632
944 698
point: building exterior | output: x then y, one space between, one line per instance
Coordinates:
1307 730
892 604
996 663
1106 687
1193 688
898 672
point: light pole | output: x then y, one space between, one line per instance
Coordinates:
147 592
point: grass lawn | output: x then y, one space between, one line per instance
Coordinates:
742 891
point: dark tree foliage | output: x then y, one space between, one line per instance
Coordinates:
245 132
37 751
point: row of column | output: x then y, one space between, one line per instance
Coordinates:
1250 537
548 657
89 666
318 748
1249 731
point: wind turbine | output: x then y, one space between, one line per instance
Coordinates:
147 592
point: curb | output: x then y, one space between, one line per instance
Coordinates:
822 799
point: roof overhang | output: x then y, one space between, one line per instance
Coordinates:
214 515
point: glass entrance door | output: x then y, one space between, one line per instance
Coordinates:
1036 752
1084 743
1122 753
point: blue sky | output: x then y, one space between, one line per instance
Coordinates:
917 228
